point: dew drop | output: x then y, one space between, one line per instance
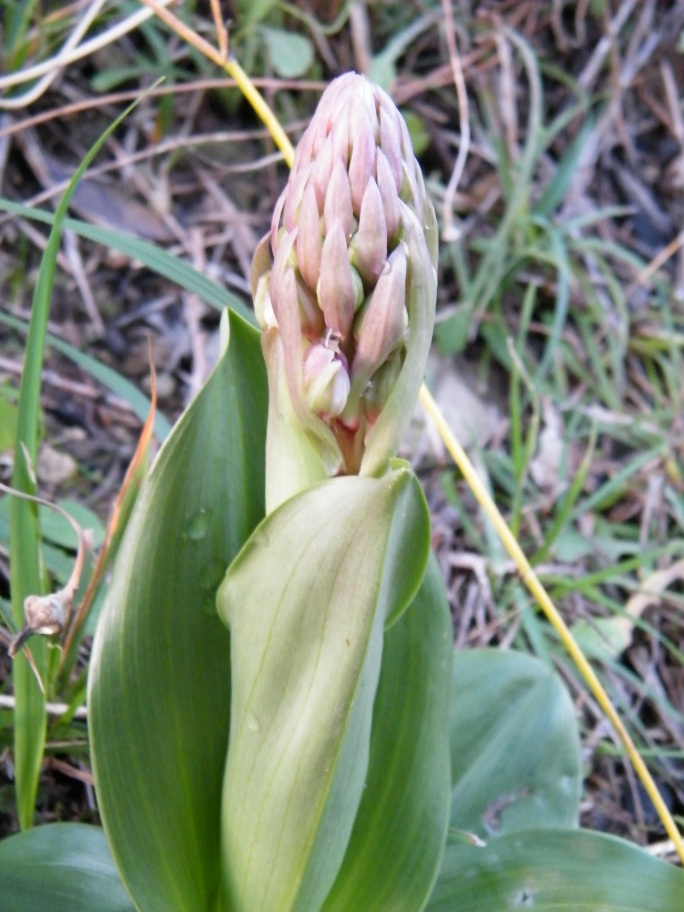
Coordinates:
199 525
253 723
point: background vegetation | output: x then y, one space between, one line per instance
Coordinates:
552 139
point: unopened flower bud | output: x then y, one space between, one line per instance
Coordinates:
368 248
380 325
263 307
337 207
353 282
326 380
335 287
309 238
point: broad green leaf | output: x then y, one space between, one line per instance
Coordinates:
290 54
59 564
159 692
307 601
398 836
556 871
56 561
603 638
62 867
515 753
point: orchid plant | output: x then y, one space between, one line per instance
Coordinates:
277 718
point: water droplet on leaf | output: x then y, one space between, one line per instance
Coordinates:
199 525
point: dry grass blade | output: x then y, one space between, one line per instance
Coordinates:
659 260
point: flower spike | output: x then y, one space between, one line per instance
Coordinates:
350 295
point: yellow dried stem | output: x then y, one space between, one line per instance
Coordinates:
233 68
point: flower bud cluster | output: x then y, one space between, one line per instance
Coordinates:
352 236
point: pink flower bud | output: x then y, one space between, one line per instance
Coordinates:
368 249
326 380
338 201
335 288
388 195
353 281
309 238
380 325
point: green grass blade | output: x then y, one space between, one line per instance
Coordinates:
562 300
569 501
609 492
26 576
557 188
156 259
107 376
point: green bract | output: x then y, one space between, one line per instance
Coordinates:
307 602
